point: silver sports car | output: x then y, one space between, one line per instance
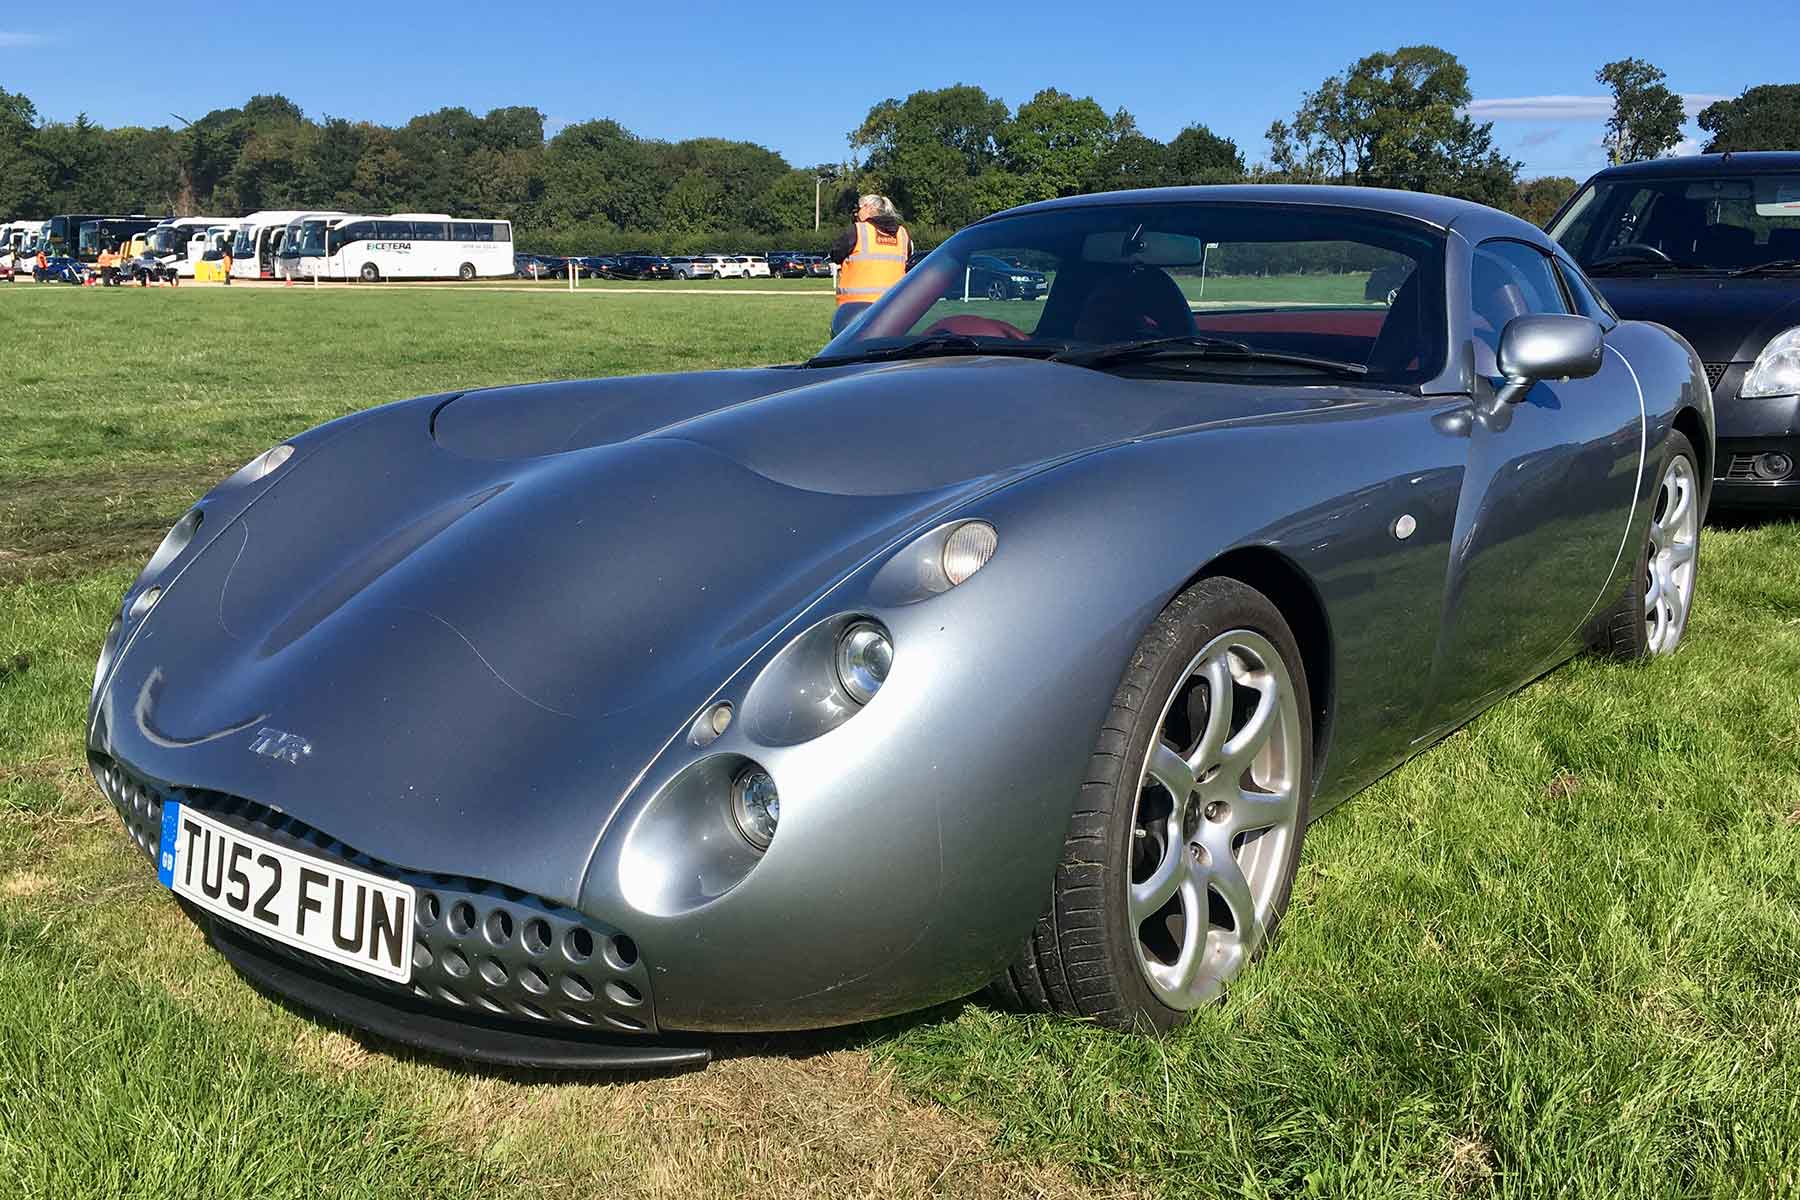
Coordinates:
1008 642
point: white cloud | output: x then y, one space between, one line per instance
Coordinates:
1567 108
10 40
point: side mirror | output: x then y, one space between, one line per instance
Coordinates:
1547 346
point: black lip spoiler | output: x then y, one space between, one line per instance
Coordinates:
470 1040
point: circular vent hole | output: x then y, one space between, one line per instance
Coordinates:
536 935
421 956
578 945
488 1002
576 988
493 972
452 997
623 993
455 964
624 951
430 909
498 927
533 981
629 1024
576 1017
462 918
533 1011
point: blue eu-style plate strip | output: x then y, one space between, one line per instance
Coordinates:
165 853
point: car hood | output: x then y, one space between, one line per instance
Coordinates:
1725 320
486 616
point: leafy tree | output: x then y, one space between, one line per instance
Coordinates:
1132 161
1198 155
926 151
1394 119
597 170
1766 117
23 186
1646 117
1538 199
1056 142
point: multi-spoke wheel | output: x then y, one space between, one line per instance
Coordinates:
1652 616
1181 854
1674 547
1216 809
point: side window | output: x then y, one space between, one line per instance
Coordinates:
394 231
1507 280
1588 301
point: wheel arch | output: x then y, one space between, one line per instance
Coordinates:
1292 592
1692 425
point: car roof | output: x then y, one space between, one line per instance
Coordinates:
1692 166
1441 211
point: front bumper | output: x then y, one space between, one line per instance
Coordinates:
499 976
1747 429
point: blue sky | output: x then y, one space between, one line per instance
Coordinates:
791 76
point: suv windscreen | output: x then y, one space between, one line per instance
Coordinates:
1722 223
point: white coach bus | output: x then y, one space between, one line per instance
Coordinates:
180 242
256 246
401 246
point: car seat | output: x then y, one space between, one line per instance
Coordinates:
1123 302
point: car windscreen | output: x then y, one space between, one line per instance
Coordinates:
1357 288
1715 223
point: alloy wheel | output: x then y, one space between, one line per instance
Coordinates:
1674 543
1216 812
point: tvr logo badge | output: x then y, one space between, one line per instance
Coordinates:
284 747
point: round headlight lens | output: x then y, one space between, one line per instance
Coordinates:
146 600
864 658
755 806
968 549
1777 368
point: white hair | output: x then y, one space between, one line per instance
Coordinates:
881 204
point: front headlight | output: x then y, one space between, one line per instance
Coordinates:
864 658
264 464
1777 368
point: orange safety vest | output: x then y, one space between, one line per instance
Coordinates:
874 266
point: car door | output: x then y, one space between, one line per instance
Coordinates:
1545 500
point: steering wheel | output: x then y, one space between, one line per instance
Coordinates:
1641 250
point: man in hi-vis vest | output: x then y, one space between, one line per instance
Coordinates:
872 258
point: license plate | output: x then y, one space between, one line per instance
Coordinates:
339 913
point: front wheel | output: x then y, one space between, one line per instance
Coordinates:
466 272
996 290
370 274
1182 850
1652 616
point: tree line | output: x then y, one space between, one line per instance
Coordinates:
947 156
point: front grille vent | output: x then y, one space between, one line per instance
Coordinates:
1743 466
478 947
1715 372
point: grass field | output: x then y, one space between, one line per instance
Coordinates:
1559 955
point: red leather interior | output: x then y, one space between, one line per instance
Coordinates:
1354 322
970 325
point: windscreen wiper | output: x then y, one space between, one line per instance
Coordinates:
1776 266
940 343
1190 346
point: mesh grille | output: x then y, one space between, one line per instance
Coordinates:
1714 373
1743 466
477 946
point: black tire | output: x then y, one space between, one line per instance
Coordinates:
369 273
996 290
466 272
1622 632
1081 959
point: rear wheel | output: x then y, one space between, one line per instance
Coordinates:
1652 616
466 272
1181 854
370 274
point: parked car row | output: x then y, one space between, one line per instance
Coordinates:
782 264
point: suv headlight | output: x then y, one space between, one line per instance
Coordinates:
1777 368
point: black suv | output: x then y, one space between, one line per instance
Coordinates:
1710 246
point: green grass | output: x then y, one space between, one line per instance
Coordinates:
1275 289
1558 955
